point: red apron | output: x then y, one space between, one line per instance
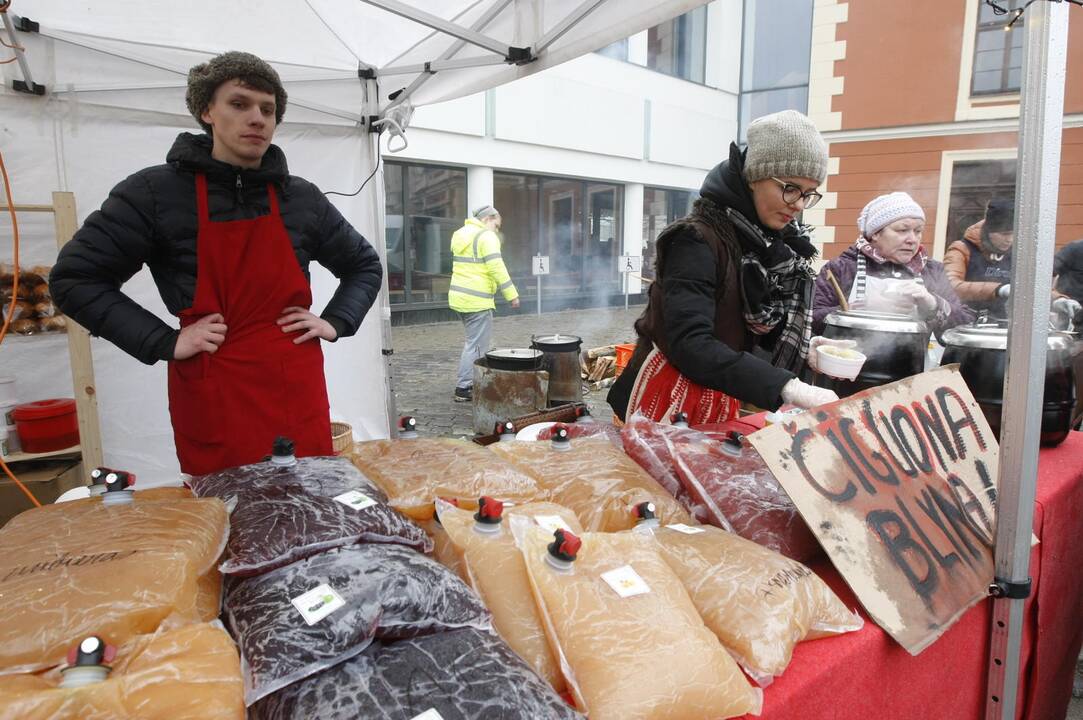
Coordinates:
660 391
228 407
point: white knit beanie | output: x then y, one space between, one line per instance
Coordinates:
785 144
886 209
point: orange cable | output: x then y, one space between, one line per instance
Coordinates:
11 309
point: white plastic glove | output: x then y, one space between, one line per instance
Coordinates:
916 292
806 396
817 341
1004 291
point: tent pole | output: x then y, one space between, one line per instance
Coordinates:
27 84
566 24
438 23
1041 123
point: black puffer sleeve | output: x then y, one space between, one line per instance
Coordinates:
689 311
352 260
111 246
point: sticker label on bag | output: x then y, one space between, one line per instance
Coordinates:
552 523
686 529
318 603
429 714
626 582
356 500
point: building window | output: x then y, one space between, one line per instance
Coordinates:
577 223
973 184
660 208
998 52
775 60
678 47
425 205
617 50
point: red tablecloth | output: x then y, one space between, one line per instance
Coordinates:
867 676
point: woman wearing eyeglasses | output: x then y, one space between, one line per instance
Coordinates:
887 270
729 314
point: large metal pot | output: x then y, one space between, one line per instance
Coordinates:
514 359
981 351
506 392
895 346
560 357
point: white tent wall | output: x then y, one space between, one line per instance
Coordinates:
54 144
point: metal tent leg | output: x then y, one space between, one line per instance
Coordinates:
1041 122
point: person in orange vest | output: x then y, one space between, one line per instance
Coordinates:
477 274
228 235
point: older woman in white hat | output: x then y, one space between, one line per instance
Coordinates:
888 270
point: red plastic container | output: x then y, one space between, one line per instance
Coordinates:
47 425
624 355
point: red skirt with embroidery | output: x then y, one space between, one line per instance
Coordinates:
660 391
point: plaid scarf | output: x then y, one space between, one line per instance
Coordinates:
776 290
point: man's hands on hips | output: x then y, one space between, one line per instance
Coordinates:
204 335
296 319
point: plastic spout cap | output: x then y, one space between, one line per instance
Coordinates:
118 488
282 451
88 663
561 437
733 444
407 428
489 515
583 416
646 515
679 419
505 431
97 480
563 550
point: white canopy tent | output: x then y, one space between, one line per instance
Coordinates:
112 77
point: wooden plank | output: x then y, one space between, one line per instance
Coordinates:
82 362
22 456
33 208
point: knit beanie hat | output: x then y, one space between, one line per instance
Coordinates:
1000 215
886 209
785 144
204 79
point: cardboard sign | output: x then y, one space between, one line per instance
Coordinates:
540 265
898 484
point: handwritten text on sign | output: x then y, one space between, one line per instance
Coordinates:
897 483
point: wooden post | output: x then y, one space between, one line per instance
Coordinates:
82 362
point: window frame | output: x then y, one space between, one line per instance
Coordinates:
998 24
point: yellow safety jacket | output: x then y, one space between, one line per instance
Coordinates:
477 270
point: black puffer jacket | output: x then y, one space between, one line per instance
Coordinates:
694 304
150 218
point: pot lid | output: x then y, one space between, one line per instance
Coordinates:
880 321
523 355
994 336
557 342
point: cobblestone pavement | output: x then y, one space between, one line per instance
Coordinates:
426 360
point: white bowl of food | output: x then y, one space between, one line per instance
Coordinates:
840 362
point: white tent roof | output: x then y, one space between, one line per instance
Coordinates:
143 48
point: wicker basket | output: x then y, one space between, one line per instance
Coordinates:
341 437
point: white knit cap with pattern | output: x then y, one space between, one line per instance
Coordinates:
886 209
785 144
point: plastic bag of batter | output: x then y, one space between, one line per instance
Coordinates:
496 570
82 568
444 551
286 513
306 617
414 473
323 476
461 674
648 447
593 479
630 641
191 673
728 479
759 603
583 430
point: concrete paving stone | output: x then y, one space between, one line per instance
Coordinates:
426 360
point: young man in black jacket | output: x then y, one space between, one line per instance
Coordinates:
228 235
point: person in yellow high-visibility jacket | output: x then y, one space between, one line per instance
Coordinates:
477 274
